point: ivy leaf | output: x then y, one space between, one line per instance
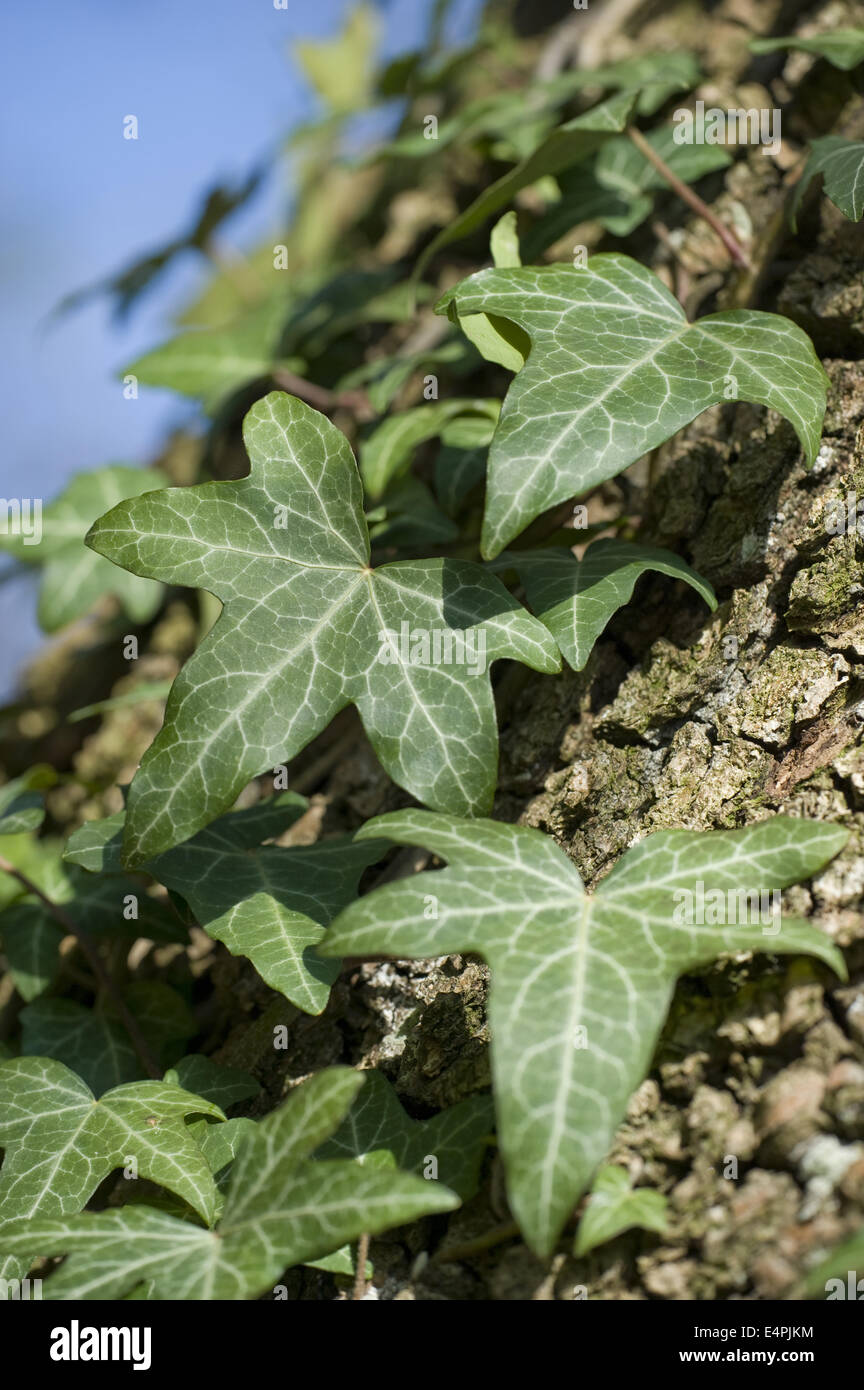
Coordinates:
210 363
841 162
498 340
303 624
341 304
614 1206
95 1044
615 369
576 598
22 808
386 454
32 936
520 115
96 1047
282 1208
580 985
223 1086
378 1132
220 1144
340 1262
73 578
61 1142
457 472
31 944
341 68
842 47
565 146
617 188
383 377
410 517
267 902
517 116
37 857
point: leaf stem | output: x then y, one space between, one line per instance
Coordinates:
360 1268
693 200
321 397
88 946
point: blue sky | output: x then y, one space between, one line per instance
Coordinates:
213 86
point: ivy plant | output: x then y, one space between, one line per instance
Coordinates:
615 1206
614 370
580 983
359 573
576 598
282 1207
264 901
841 164
73 579
304 620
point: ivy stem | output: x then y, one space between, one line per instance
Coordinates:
692 199
88 946
360 1268
321 397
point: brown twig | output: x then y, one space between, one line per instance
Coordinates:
692 199
88 946
360 1268
323 399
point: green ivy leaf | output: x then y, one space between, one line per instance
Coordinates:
282 1208
211 363
580 985
841 163
410 517
576 598
96 1047
618 187
383 377
31 935
378 1132
457 472
498 340
614 1206
22 808
842 47
565 146
342 1261
95 1044
615 369
73 578
38 858
341 69
298 636
267 902
386 454
223 1086
220 1144
61 1142
516 115
31 944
